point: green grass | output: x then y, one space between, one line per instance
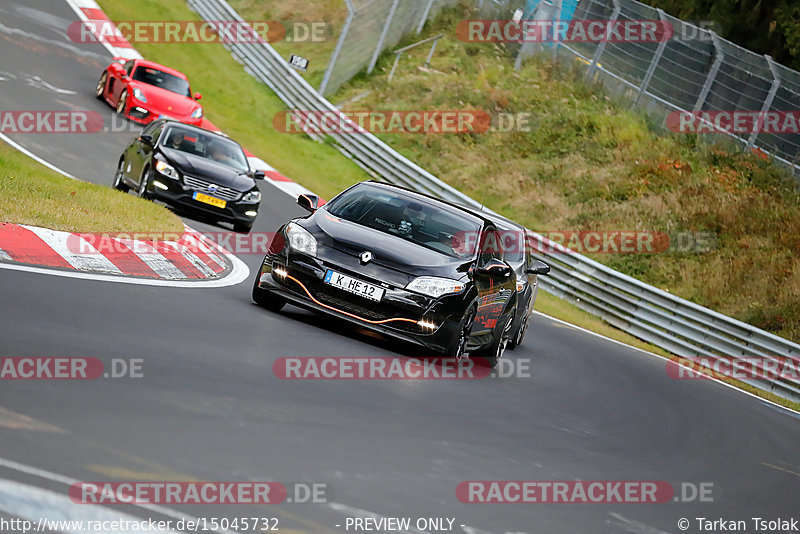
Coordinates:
239 104
30 193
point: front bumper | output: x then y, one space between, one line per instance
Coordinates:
145 114
397 315
179 196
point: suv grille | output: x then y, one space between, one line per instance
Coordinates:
225 193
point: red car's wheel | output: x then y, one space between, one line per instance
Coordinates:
101 86
123 101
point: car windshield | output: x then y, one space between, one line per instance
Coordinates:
163 80
210 146
433 226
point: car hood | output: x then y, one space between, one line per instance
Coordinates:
208 170
389 252
162 100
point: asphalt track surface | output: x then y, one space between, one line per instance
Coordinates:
210 408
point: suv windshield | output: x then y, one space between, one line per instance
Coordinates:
210 146
163 80
395 213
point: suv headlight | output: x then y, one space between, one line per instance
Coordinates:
301 240
139 94
167 170
434 287
252 196
198 113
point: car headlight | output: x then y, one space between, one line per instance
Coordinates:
139 95
167 170
434 287
301 240
198 113
252 196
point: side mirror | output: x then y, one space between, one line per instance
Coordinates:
308 201
146 140
538 267
259 175
198 96
496 269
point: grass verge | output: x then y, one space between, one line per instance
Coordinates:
30 193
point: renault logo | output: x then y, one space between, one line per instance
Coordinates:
365 257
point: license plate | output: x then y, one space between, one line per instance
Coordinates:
200 197
353 285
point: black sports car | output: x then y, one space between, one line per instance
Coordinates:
517 253
194 169
398 262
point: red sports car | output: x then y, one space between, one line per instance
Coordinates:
143 91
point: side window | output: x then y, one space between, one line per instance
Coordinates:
157 132
491 245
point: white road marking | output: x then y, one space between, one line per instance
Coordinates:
55 477
91 260
37 504
643 351
34 156
153 258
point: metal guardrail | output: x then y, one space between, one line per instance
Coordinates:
672 323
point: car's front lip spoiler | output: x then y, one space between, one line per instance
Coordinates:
337 310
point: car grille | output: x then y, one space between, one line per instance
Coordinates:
346 302
225 193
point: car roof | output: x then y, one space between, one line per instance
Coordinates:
425 196
174 122
164 68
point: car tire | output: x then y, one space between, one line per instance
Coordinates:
242 228
266 299
143 183
101 86
119 185
123 101
458 345
494 352
519 333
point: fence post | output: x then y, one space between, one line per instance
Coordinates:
386 26
654 63
776 83
602 45
719 57
557 15
335 56
424 17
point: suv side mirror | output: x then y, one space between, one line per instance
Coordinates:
258 175
538 267
146 140
308 201
499 270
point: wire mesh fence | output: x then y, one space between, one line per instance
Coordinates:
721 86
372 26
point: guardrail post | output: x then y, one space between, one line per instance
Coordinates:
335 56
654 63
424 17
776 83
719 57
602 46
386 26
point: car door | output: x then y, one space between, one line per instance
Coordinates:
494 280
139 154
